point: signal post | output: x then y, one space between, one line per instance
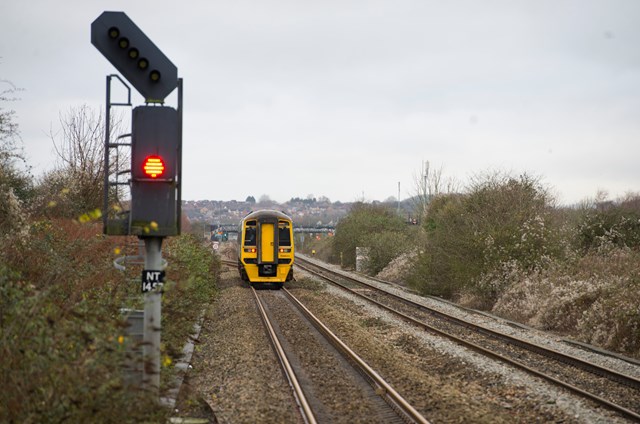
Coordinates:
156 159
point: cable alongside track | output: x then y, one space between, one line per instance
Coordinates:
581 377
397 405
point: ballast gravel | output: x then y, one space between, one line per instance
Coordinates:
234 369
236 373
504 326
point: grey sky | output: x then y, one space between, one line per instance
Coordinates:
345 98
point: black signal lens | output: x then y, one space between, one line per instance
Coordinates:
134 53
143 63
123 43
114 33
154 75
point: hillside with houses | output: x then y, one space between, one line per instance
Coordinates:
309 212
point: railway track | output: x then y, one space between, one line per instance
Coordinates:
306 391
606 387
298 393
229 262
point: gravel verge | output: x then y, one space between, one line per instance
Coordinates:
464 373
495 323
235 370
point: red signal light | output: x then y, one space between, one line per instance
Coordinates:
153 166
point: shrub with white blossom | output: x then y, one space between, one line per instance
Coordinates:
504 246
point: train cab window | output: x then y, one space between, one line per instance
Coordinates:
284 233
250 234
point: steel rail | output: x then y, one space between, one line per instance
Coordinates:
618 408
541 350
298 393
229 262
396 401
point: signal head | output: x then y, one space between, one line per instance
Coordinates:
153 166
139 60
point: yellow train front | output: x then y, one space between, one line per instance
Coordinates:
265 247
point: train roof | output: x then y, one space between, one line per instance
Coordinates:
267 213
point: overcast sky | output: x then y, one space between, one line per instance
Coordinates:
345 99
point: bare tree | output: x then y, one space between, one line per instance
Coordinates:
81 152
429 184
76 185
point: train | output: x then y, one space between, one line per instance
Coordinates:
266 248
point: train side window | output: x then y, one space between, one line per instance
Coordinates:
284 233
250 234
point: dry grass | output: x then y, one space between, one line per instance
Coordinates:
593 300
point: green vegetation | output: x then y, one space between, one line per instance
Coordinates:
500 221
16 187
376 227
192 274
611 223
320 246
61 325
503 245
62 334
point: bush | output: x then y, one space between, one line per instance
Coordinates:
449 258
592 298
385 247
13 218
192 274
616 223
322 246
501 222
63 363
376 227
61 326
